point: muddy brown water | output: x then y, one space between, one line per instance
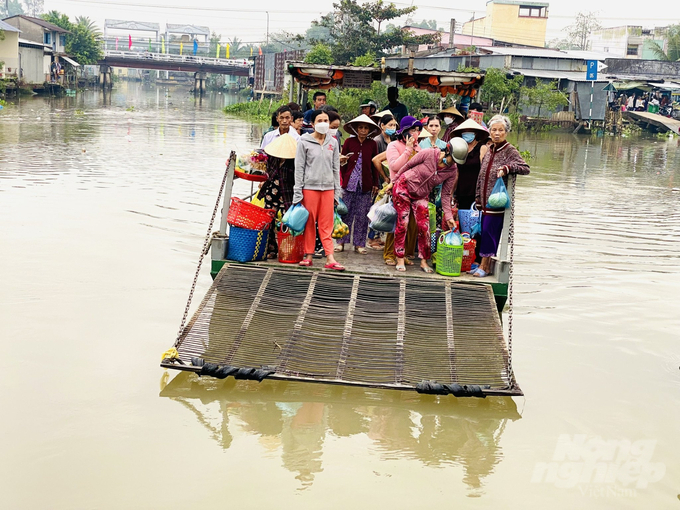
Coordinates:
104 203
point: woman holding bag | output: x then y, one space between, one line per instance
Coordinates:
501 160
317 186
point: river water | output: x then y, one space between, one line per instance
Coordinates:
104 203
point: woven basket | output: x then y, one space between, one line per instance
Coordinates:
243 214
246 245
468 255
291 248
449 258
467 220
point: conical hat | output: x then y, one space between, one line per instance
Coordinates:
453 111
471 125
284 147
350 126
379 115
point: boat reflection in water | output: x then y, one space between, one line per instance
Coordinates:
296 419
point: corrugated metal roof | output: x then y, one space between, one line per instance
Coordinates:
526 52
26 42
7 27
555 75
41 22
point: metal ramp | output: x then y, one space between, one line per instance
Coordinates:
433 336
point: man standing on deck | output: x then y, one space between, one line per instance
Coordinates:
399 110
284 116
319 99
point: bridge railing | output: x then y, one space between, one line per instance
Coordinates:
176 59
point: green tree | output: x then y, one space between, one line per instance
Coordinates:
320 54
578 32
355 30
10 8
214 41
59 19
500 87
672 52
544 95
366 60
84 40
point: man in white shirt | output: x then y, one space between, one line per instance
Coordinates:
284 116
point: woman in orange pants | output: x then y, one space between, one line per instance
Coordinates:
317 186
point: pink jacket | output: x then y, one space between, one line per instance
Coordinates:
398 153
422 174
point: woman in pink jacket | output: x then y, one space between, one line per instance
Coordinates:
398 153
414 182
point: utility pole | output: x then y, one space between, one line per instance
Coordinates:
267 27
452 29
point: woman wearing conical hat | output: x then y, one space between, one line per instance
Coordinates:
452 118
277 191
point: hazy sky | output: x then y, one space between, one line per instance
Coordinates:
250 25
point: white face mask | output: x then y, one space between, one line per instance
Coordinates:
322 127
448 120
333 132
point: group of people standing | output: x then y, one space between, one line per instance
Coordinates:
403 157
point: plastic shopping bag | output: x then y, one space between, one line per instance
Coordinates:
296 219
374 207
340 229
385 217
499 198
341 208
453 239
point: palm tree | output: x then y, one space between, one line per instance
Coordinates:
672 52
235 46
91 27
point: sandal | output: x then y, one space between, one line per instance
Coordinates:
305 263
426 269
391 262
401 268
334 266
408 262
339 248
480 273
360 250
376 246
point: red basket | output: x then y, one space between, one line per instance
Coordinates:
250 177
468 255
291 248
246 215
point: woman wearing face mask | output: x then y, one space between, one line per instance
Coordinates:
317 186
399 153
359 180
476 137
388 128
451 118
414 183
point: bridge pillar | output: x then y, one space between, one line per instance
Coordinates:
199 82
105 73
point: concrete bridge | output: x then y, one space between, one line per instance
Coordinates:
197 64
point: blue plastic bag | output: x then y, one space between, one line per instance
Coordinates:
453 239
470 219
384 217
295 219
341 208
499 198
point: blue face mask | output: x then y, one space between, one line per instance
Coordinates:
390 132
468 137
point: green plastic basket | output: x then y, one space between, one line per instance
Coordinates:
449 258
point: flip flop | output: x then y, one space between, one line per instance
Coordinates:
335 267
360 250
427 269
480 273
339 248
401 268
305 263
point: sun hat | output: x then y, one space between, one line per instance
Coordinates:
453 111
284 147
459 150
407 123
481 134
379 115
350 127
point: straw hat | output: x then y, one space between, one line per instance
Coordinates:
453 111
481 134
379 115
284 147
424 134
351 126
